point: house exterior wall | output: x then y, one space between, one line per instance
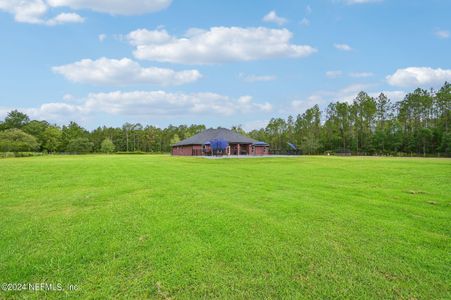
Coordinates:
196 150
183 150
189 150
261 150
240 149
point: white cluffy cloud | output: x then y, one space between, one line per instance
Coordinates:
256 78
115 7
254 125
68 97
35 11
30 11
120 72
272 17
343 47
102 37
216 45
361 74
148 103
334 74
346 94
323 97
419 77
442 34
338 73
65 18
305 22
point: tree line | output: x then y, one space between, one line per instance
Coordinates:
417 125
19 133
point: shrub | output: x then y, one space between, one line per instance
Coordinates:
20 154
134 152
79 146
107 146
15 140
7 154
28 154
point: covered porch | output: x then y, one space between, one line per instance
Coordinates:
239 149
232 149
235 149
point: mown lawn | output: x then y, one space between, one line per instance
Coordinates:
186 228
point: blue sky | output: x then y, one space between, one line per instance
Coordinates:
219 63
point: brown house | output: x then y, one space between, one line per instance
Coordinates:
199 144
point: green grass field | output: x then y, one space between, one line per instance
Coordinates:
186 228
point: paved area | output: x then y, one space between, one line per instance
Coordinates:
246 156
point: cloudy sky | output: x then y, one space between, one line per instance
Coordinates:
220 63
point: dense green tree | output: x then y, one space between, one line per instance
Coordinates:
339 126
15 119
443 107
152 137
290 134
15 140
52 138
363 112
384 112
36 129
258 134
424 138
71 132
79 146
130 135
276 131
98 135
415 113
175 139
307 130
445 146
107 146
194 129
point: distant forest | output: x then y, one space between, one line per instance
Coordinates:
417 125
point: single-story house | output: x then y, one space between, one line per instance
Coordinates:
199 144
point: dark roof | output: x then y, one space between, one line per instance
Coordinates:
221 134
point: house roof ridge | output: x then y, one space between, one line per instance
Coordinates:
216 133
